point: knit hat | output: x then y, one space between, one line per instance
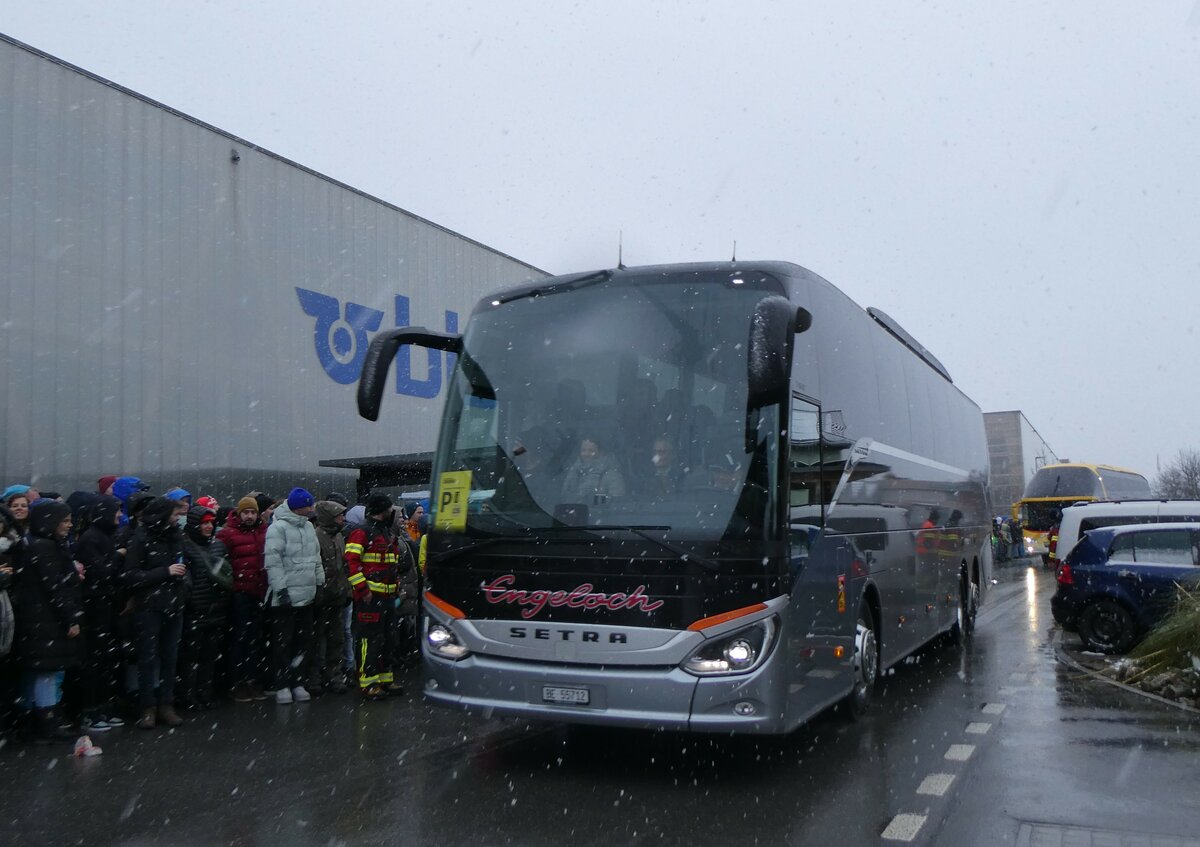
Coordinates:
410 509
208 502
378 503
338 497
299 498
247 502
13 491
198 515
264 501
104 483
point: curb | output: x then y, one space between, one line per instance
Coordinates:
1062 656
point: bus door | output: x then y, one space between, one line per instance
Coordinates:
820 600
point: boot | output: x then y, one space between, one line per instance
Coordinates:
146 721
169 716
46 727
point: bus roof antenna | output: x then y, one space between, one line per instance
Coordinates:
620 250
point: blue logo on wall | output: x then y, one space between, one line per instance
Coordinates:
341 339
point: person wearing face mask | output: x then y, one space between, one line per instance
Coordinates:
49 612
96 551
373 556
667 474
159 581
179 495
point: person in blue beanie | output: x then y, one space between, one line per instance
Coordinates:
292 556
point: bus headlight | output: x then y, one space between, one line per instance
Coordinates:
738 652
442 642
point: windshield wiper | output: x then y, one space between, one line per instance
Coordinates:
641 531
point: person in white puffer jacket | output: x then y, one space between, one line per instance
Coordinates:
293 562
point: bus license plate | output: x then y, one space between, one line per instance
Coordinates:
573 696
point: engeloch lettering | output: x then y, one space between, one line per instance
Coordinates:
500 591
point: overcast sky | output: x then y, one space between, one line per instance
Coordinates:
1017 183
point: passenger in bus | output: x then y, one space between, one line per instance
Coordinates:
667 475
594 476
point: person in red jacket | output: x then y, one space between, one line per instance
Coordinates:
373 554
244 536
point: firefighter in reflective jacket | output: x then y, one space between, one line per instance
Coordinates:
373 554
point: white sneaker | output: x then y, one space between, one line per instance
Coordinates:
301 694
283 697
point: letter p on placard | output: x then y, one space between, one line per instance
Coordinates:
454 493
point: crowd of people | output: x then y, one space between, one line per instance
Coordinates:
121 605
1008 539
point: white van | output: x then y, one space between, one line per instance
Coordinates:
1078 519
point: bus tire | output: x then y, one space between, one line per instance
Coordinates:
866 664
968 606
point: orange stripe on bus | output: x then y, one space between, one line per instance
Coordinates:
705 623
452 611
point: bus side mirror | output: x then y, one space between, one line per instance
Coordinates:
383 349
773 331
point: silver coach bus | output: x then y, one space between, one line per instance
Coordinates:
711 497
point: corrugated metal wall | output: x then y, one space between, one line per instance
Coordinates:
150 317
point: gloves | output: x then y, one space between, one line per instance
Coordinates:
282 598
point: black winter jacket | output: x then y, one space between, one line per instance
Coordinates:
207 602
156 544
96 550
48 600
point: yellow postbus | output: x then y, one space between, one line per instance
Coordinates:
1056 486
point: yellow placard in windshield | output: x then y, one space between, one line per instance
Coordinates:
454 490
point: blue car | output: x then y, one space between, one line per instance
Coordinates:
1119 581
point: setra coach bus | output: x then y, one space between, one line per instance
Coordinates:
707 497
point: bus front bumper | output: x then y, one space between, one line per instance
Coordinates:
646 698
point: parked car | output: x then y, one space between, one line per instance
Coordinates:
1081 517
1118 582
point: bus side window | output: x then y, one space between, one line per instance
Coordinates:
804 461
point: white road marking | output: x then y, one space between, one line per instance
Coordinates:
935 784
978 728
904 827
993 708
960 752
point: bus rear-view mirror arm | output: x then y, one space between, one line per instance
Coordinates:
383 349
773 331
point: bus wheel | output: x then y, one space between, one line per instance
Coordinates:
866 664
968 605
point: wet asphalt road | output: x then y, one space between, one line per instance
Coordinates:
1039 749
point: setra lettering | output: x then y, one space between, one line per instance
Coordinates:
585 635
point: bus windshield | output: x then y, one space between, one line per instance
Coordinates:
621 402
1064 481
